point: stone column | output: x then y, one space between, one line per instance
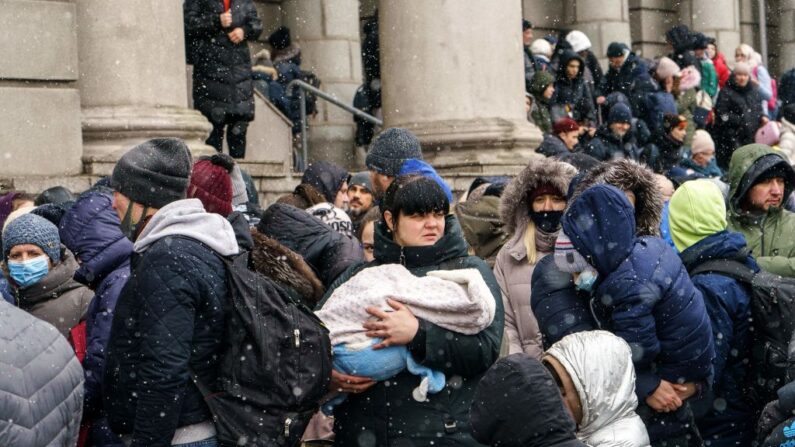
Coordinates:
786 47
132 79
452 72
716 18
649 20
40 111
603 21
328 33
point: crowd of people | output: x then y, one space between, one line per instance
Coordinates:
633 285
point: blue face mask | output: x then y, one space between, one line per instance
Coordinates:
27 273
586 280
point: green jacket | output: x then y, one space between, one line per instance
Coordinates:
709 78
770 236
539 110
386 414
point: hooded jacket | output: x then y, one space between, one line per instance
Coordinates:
57 298
632 79
169 323
91 229
518 404
607 146
482 226
386 412
328 252
738 112
512 269
600 366
41 383
644 290
222 69
629 176
769 235
552 145
326 177
574 93
663 153
539 111
286 268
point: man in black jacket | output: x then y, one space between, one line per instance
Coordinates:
217 34
169 321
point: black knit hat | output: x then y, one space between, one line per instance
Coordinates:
154 173
390 149
280 39
616 49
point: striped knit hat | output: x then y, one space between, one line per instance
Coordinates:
566 256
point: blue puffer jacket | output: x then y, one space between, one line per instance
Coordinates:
90 229
730 420
645 290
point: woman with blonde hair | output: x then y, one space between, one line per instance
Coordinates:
531 208
759 74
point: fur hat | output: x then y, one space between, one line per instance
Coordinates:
578 40
666 68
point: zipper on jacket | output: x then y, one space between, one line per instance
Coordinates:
297 335
287 423
402 257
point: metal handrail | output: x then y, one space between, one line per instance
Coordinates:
303 88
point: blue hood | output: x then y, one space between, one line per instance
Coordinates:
601 226
419 167
722 245
90 230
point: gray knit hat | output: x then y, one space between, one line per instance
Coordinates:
390 149
35 230
239 192
154 173
567 258
361 179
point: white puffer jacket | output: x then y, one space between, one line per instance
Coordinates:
41 383
787 141
600 365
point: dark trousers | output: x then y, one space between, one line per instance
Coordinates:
676 429
235 137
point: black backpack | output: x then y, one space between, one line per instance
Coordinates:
276 364
773 314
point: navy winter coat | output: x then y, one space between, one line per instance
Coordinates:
632 79
607 146
645 290
559 308
574 93
728 304
90 229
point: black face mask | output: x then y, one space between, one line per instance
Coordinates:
547 221
129 228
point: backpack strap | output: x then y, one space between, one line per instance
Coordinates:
727 267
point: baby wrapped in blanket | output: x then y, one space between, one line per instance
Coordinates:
457 300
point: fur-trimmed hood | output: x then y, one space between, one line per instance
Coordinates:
285 267
513 207
629 175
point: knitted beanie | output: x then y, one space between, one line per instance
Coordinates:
567 258
390 149
334 217
702 142
769 134
667 68
565 124
239 191
742 68
35 230
212 184
619 113
696 210
361 179
616 49
154 173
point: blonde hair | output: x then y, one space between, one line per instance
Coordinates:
530 242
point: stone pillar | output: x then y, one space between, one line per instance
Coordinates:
132 79
40 112
603 21
786 47
452 72
328 33
546 16
649 20
716 18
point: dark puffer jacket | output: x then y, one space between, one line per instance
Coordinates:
607 146
386 414
91 230
738 112
647 293
328 252
222 85
531 414
728 304
169 321
663 153
632 79
325 177
552 145
574 94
